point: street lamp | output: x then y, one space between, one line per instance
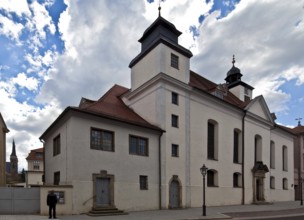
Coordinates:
204 172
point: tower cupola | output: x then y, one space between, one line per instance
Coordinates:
235 84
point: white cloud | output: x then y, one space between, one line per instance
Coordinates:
9 28
19 8
23 81
265 40
41 19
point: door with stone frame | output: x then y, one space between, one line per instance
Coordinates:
174 194
103 189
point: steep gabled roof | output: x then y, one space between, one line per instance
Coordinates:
109 106
35 154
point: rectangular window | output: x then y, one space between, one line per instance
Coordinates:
174 98
211 153
138 146
56 145
174 150
236 147
174 61
102 140
174 121
36 165
56 178
143 182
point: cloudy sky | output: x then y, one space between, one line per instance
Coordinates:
53 52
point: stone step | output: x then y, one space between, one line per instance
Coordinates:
106 211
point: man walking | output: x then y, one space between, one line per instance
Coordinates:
51 202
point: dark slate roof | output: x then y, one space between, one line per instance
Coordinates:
234 70
8 167
160 31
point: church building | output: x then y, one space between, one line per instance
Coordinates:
141 148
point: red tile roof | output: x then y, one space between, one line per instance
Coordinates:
36 154
298 129
203 84
111 106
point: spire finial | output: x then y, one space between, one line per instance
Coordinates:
233 60
299 121
159 8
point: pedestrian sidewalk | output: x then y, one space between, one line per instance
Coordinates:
217 212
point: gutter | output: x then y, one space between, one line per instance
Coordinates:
159 173
243 157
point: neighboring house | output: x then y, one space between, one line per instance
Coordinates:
35 168
142 148
299 160
3 131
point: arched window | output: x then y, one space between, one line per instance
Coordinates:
237 146
212 140
237 180
257 148
284 158
272 154
272 182
285 183
212 178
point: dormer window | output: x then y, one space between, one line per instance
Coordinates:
174 61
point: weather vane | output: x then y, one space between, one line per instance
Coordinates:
299 121
233 60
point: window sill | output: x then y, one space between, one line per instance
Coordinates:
212 159
213 186
239 163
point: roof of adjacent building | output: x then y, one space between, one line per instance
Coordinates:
35 154
5 129
298 129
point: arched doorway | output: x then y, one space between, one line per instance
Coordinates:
174 193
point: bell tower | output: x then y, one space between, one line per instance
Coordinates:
14 161
160 53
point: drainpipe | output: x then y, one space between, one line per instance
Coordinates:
159 172
43 179
243 157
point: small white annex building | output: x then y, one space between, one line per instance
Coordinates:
35 168
142 148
